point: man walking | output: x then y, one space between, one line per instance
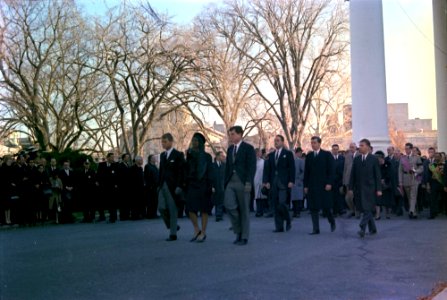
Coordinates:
279 176
366 185
172 181
337 188
349 158
239 175
151 180
319 173
218 185
409 168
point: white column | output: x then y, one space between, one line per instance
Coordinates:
440 38
369 102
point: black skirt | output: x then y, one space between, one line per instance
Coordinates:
386 199
198 198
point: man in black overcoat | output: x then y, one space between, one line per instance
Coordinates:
339 200
172 184
137 189
151 180
107 180
366 185
67 177
319 175
278 178
124 183
86 191
218 185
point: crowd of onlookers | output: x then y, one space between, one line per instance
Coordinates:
410 182
33 190
36 191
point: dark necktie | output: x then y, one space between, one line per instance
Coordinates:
276 156
234 153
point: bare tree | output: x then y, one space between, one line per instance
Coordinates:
44 82
221 81
301 44
143 58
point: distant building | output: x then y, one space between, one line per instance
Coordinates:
417 131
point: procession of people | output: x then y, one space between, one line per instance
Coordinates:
279 184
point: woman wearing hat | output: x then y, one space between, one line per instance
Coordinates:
199 185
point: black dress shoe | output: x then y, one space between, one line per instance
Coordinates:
201 240
218 219
171 238
315 232
361 233
258 215
373 232
242 242
288 227
237 240
333 227
279 230
178 228
194 238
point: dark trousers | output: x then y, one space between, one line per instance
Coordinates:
125 205
436 194
262 206
218 201
282 214
111 203
339 201
152 205
297 207
368 220
399 202
315 218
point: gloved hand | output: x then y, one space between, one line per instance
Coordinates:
178 191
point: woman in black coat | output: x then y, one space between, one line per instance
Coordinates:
9 190
385 200
199 185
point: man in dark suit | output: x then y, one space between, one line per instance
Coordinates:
426 175
136 189
393 159
319 174
151 180
218 185
86 191
278 178
107 180
172 183
124 183
366 184
337 189
68 182
239 175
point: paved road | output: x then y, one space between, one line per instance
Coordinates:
131 260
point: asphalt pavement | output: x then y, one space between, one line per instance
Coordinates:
132 260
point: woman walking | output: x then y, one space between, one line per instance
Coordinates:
199 185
